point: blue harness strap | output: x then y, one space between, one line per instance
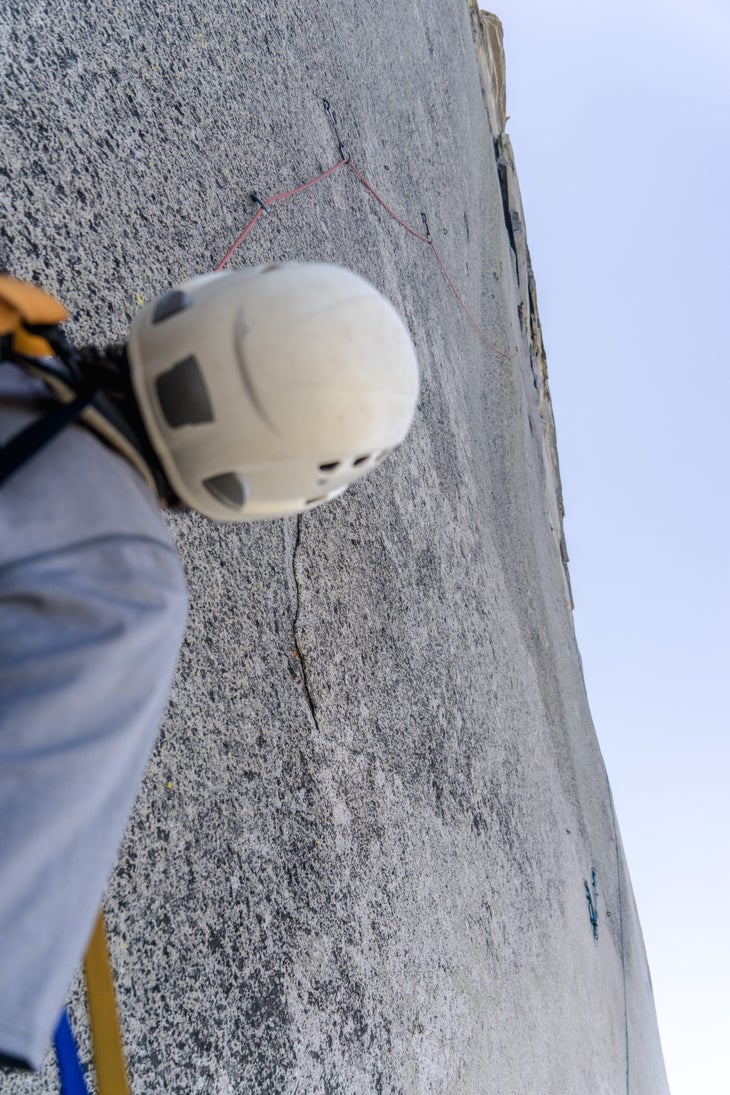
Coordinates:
72 1078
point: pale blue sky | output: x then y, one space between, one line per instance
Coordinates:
619 119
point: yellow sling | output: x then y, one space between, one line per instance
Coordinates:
106 1035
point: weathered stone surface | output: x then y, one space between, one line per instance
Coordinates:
359 856
531 331
489 40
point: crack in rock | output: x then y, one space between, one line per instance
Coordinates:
296 650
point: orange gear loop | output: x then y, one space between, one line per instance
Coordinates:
23 305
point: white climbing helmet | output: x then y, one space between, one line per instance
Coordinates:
267 391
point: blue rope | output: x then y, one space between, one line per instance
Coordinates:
72 1078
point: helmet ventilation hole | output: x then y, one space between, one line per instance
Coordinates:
230 489
329 467
183 395
173 302
360 460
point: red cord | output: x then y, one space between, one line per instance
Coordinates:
298 189
232 250
366 184
270 201
413 232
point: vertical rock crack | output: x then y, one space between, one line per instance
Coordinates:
296 648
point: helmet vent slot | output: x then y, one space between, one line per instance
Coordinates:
173 302
228 488
360 460
183 395
330 467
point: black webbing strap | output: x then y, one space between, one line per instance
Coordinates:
25 444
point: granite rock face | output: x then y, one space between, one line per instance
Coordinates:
490 55
359 858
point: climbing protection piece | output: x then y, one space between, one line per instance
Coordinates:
592 899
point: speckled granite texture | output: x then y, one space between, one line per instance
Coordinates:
357 861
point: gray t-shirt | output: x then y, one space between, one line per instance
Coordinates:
92 613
